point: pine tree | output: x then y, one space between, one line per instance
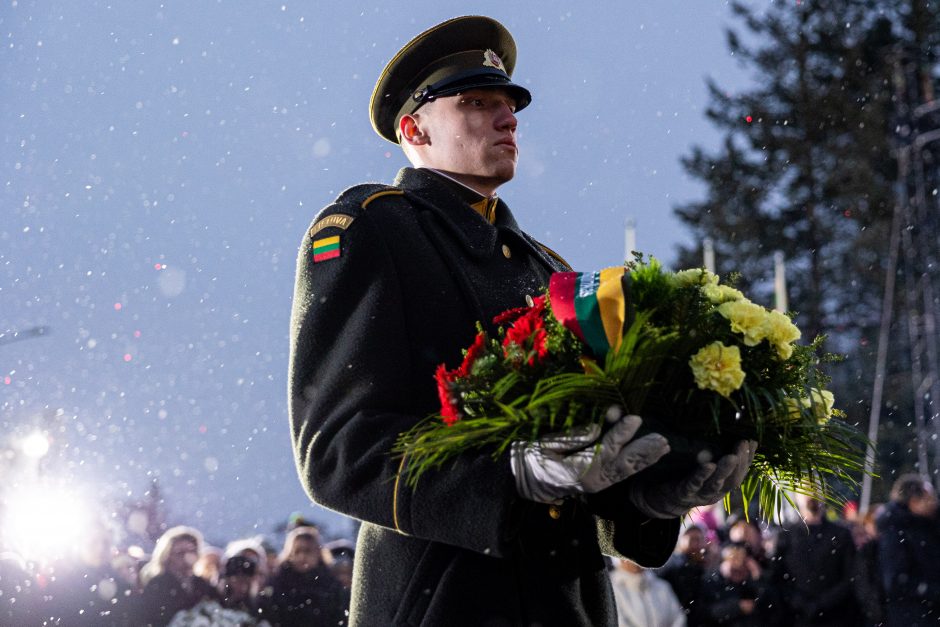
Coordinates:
808 167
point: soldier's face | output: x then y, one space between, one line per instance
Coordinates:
472 135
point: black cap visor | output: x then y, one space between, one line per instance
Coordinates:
483 78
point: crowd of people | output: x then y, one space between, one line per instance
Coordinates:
821 569
184 582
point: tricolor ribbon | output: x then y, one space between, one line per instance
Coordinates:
592 305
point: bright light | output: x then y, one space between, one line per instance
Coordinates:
43 522
35 445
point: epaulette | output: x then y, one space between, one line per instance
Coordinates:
551 253
361 195
345 209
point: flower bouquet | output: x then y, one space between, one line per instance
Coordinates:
699 362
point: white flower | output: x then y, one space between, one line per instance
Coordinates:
211 614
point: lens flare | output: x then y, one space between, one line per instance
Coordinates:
43 522
35 445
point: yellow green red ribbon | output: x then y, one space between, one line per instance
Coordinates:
592 305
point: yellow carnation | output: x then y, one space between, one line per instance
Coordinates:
821 402
781 332
718 367
695 276
718 294
747 319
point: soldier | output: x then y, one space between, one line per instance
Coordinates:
391 280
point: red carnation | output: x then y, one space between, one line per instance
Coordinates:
510 314
449 411
530 328
473 353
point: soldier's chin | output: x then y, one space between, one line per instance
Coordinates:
505 173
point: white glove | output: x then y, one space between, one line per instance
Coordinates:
706 485
566 464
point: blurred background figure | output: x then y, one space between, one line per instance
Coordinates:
685 571
869 589
343 553
209 564
238 585
737 593
272 558
303 592
909 553
643 599
711 520
169 583
815 568
88 590
253 549
748 532
127 568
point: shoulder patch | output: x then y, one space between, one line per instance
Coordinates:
326 248
325 235
334 220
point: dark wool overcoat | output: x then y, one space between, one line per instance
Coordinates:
814 572
909 558
391 281
310 599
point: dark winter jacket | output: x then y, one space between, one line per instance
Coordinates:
165 595
814 572
311 599
686 576
869 589
909 558
415 268
721 602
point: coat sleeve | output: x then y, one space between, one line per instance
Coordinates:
623 532
351 383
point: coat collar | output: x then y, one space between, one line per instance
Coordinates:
451 202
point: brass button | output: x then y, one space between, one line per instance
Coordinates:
506 252
554 511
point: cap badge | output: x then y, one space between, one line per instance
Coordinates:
491 59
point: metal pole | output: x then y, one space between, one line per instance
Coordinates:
780 283
629 239
708 254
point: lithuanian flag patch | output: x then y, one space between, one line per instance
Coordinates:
326 248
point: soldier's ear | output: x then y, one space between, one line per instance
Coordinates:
410 132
